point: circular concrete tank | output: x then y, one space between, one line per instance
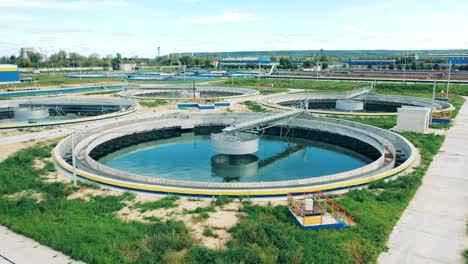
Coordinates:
389 154
25 113
349 105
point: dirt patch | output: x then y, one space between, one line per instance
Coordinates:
218 222
10 149
85 193
55 177
39 164
26 193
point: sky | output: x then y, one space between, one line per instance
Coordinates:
138 27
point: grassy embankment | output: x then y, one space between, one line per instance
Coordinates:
58 79
153 103
408 89
255 107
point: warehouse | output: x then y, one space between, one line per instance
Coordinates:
9 73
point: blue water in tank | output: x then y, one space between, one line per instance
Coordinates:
190 157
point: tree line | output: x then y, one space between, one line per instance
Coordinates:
74 59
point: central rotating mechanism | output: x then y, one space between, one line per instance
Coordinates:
239 143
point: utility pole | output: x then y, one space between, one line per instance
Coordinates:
404 70
194 89
79 64
259 65
73 158
318 68
433 99
448 81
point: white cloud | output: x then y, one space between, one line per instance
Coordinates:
7 17
352 29
46 4
374 7
227 17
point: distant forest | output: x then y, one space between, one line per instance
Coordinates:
339 54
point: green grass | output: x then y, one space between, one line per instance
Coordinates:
222 200
255 107
90 231
83 230
209 233
104 92
457 102
199 210
382 122
408 89
166 202
153 103
58 79
283 84
204 215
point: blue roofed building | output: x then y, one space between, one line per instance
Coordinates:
9 73
370 62
246 62
461 60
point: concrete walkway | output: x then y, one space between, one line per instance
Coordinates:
433 229
19 249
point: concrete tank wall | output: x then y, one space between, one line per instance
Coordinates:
241 144
349 105
31 113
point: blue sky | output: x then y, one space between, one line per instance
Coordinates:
136 28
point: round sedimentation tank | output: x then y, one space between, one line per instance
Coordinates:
26 113
173 154
349 105
151 92
36 112
357 103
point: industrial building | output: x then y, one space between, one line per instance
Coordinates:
246 62
458 60
370 62
127 67
24 52
9 73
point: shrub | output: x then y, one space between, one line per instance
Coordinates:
209 233
223 200
166 202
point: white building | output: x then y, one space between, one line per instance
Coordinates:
24 52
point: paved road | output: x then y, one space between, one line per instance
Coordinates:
433 229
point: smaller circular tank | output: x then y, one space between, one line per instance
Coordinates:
349 105
237 144
26 113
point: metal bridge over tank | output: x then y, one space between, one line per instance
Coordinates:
245 125
235 141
